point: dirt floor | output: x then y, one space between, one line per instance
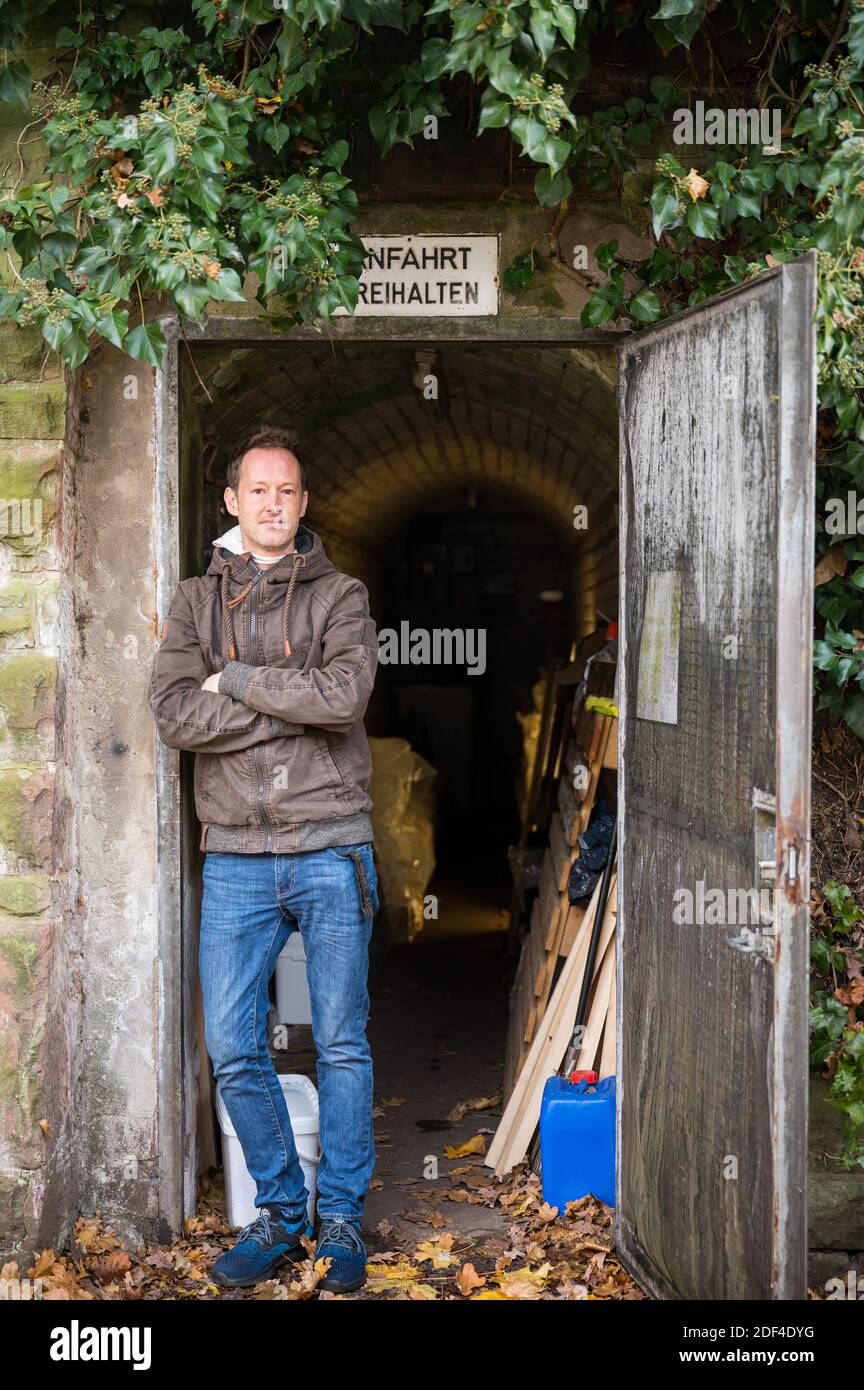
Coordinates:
436 1028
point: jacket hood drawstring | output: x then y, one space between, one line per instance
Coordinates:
298 561
228 604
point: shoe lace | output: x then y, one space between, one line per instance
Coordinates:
339 1230
260 1230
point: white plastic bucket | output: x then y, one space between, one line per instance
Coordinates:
301 1097
293 1004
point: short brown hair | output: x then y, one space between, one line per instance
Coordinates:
270 437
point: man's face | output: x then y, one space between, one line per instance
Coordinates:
268 503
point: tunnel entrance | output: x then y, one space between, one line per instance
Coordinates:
473 488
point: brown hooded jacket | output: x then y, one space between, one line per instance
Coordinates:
282 761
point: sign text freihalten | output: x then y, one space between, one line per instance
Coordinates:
428 276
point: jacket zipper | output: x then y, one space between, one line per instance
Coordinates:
257 654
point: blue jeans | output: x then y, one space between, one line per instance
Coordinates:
251 905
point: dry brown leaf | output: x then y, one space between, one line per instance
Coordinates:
437 1252
832 563
461 1108
113 1265
696 186
42 1264
468 1279
475 1145
380 1278
853 996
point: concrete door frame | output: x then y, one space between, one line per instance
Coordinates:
177 1150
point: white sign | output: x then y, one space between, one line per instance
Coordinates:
428 277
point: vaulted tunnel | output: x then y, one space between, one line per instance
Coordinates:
535 426
447 477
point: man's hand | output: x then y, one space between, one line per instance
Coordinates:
212 683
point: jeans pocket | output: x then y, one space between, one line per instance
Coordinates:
367 884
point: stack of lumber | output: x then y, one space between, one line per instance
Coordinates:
555 922
552 1038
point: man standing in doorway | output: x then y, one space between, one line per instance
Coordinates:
265 669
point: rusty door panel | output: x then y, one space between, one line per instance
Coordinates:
717 418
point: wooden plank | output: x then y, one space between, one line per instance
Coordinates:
537 959
605 722
548 891
547 1050
561 852
599 1008
610 757
570 810
519 1001
562 856
570 928
554 948
607 1054
543 750
513 1100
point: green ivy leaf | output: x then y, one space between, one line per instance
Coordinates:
114 326
664 206
552 189
645 306
703 220
146 344
494 111
15 82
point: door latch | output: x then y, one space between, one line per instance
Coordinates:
757 937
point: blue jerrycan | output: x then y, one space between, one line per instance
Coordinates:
577 1139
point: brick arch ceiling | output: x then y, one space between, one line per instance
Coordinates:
537 427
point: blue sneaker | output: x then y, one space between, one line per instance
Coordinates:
339 1238
268 1242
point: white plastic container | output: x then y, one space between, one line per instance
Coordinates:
301 1097
293 1004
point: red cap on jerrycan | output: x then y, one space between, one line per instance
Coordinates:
590 1077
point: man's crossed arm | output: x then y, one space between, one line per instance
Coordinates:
244 705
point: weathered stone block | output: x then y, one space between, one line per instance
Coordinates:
28 681
19 954
15 608
24 354
29 480
24 895
26 806
33 412
24 466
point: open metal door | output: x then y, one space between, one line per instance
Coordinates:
717 415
